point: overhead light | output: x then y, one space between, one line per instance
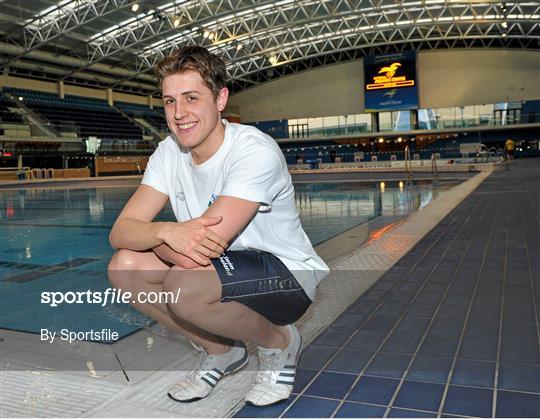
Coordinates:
206 34
273 59
504 35
504 25
399 140
20 98
381 140
135 7
176 22
239 47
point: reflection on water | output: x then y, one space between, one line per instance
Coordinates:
327 209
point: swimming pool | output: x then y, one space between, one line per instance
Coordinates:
57 240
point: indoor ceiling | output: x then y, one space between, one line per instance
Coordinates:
116 43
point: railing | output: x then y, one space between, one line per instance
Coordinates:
408 166
434 168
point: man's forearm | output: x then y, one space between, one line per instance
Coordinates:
136 235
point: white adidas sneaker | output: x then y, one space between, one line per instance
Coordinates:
277 369
208 372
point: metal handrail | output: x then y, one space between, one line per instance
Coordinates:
434 168
408 165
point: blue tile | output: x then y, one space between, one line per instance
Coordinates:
369 340
311 407
474 373
422 310
428 297
419 396
374 295
488 313
331 385
401 413
452 311
462 299
478 348
315 357
488 299
373 390
413 325
350 360
519 331
350 320
461 288
380 323
364 305
519 314
430 369
303 376
439 346
383 285
402 342
517 404
482 329
517 301
333 337
446 327
357 410
401 296
392 309
520 352
388 365
465 401
519 377
273 411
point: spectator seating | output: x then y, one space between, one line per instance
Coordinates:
154 117
6 116
80 115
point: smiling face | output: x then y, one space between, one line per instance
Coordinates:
193 113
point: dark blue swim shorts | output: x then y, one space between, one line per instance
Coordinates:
263 283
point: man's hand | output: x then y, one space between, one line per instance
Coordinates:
194 240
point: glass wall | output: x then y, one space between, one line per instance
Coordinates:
504 113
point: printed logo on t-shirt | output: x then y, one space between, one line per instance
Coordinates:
227 265
212 199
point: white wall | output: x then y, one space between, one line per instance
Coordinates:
446 78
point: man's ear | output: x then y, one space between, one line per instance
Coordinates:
222 98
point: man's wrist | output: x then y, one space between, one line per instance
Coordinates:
160 231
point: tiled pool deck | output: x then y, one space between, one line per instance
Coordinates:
436 318
450 330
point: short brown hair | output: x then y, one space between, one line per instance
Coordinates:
195 58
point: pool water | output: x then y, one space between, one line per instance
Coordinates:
57 240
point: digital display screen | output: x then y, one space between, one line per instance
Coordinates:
390 82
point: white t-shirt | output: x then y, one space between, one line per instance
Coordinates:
248 165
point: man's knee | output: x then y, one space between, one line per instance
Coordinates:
124 259
122 263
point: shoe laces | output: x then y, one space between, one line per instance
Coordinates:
270 365
204 364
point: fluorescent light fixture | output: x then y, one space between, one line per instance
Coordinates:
135 7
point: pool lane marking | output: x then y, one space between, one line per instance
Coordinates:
42 271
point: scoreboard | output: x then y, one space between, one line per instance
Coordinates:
390 82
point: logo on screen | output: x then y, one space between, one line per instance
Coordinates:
388 77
